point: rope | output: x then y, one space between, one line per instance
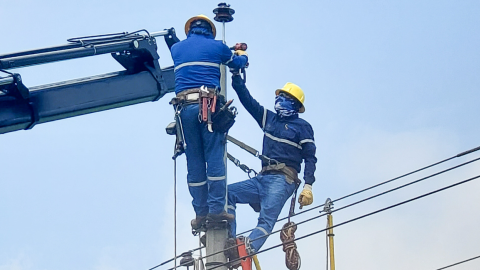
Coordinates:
292 257
291 212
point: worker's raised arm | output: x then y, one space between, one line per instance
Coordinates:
250 104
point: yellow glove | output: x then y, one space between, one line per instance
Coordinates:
240 52
306 197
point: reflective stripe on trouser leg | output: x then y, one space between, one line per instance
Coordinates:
214 150
196 177
233 224
275 192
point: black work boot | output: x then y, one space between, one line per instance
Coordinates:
219 217
197 222
231 252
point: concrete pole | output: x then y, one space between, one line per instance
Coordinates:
217 232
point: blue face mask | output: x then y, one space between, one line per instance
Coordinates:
285 106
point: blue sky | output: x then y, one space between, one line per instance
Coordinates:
391 86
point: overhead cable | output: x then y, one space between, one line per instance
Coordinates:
393 179
458 263
358 192
385 192
357 202
357 218
351 220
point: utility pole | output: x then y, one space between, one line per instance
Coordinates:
217 232
328 209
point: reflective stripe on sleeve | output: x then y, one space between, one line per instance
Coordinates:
283 140
264 118
306 141
196 63
230 60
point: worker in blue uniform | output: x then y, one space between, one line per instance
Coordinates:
288 140
197 62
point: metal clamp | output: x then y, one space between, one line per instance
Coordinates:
34 113
328 206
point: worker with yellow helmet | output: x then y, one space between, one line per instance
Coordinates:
287 142
197 61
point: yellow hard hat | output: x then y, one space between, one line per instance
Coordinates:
200 17
295 91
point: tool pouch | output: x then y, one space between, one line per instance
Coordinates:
224 118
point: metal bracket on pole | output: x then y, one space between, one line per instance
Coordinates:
327 208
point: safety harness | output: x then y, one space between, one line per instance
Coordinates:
274 166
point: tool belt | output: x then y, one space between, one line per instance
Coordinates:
212 107
190 96
290 173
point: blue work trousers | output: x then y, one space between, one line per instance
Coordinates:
270 191
205 153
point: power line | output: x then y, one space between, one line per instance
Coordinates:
357 218
385 192
383 183
459 263
363 200
347 206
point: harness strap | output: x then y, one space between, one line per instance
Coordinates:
252 151
289 172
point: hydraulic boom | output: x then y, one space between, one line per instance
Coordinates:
143 80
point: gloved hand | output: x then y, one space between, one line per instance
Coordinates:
240 52
306 197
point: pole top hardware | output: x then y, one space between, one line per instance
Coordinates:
328 206
223 13
187 259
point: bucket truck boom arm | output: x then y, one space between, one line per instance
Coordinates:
142 80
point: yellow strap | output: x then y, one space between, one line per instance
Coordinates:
257 264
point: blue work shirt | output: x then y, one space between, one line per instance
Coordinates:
197 61
286 139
